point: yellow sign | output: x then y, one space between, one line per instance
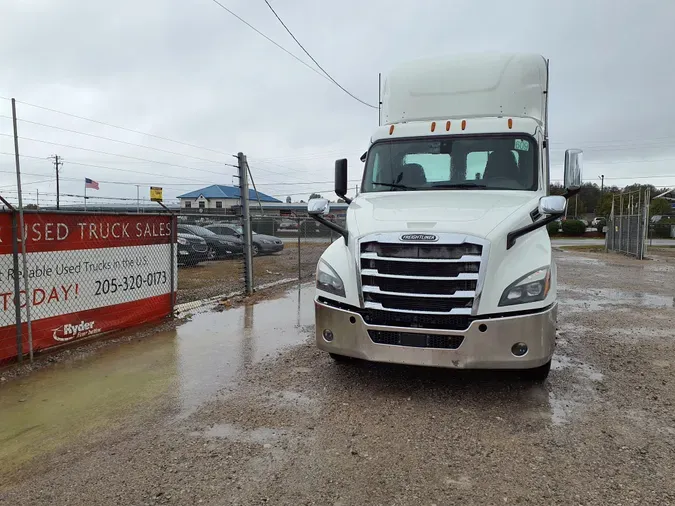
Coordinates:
156 193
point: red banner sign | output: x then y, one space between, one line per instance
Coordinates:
87 274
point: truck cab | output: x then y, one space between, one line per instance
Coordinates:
445 260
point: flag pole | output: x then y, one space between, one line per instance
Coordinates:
85 194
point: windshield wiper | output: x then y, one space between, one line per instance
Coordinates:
450 186
395 185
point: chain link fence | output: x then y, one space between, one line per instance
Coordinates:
284 249
287 248
85 274
628 223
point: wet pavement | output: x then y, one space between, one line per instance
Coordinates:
238 407
179 370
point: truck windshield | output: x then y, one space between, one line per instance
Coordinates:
493 163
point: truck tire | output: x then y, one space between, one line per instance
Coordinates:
538 374
339 358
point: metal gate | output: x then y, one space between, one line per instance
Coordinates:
628 223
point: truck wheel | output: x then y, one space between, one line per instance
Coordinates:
339 358
538 374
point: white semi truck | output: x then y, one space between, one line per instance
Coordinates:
445 259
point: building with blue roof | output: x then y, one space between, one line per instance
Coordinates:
219 196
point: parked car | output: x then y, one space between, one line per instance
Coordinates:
288 225
262 244
218 246
192 249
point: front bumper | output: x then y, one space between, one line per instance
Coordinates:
489 348
188 256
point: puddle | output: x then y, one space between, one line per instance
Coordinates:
180 369
572 299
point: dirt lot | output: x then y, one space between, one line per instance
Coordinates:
219 277
291 427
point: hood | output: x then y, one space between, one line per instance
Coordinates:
266 237
475 212
227 238
190 237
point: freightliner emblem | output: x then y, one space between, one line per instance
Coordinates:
419 237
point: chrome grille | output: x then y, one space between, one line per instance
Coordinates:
437 279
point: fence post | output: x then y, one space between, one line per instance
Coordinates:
174 225
630 211
248 255
621 222
645 219
23 232
17 288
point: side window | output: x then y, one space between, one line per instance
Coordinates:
376 167
226 231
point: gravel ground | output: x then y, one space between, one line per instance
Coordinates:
298 429
210 279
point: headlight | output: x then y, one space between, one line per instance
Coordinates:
223 242
328 280
530 288
182 241
266 241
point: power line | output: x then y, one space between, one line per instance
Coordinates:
70 162
113 140
314 60
307 182
120 127
120 155
270 40
24 183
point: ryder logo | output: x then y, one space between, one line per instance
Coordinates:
69 332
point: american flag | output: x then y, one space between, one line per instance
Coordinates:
90 183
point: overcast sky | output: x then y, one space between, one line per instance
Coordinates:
189 71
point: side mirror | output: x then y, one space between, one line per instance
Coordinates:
341 178
553 204
573 169
318 207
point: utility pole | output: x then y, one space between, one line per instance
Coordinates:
255 189
37 195
22 232
138 200
602 183
246 217
57 163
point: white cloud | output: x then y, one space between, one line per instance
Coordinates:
188 70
